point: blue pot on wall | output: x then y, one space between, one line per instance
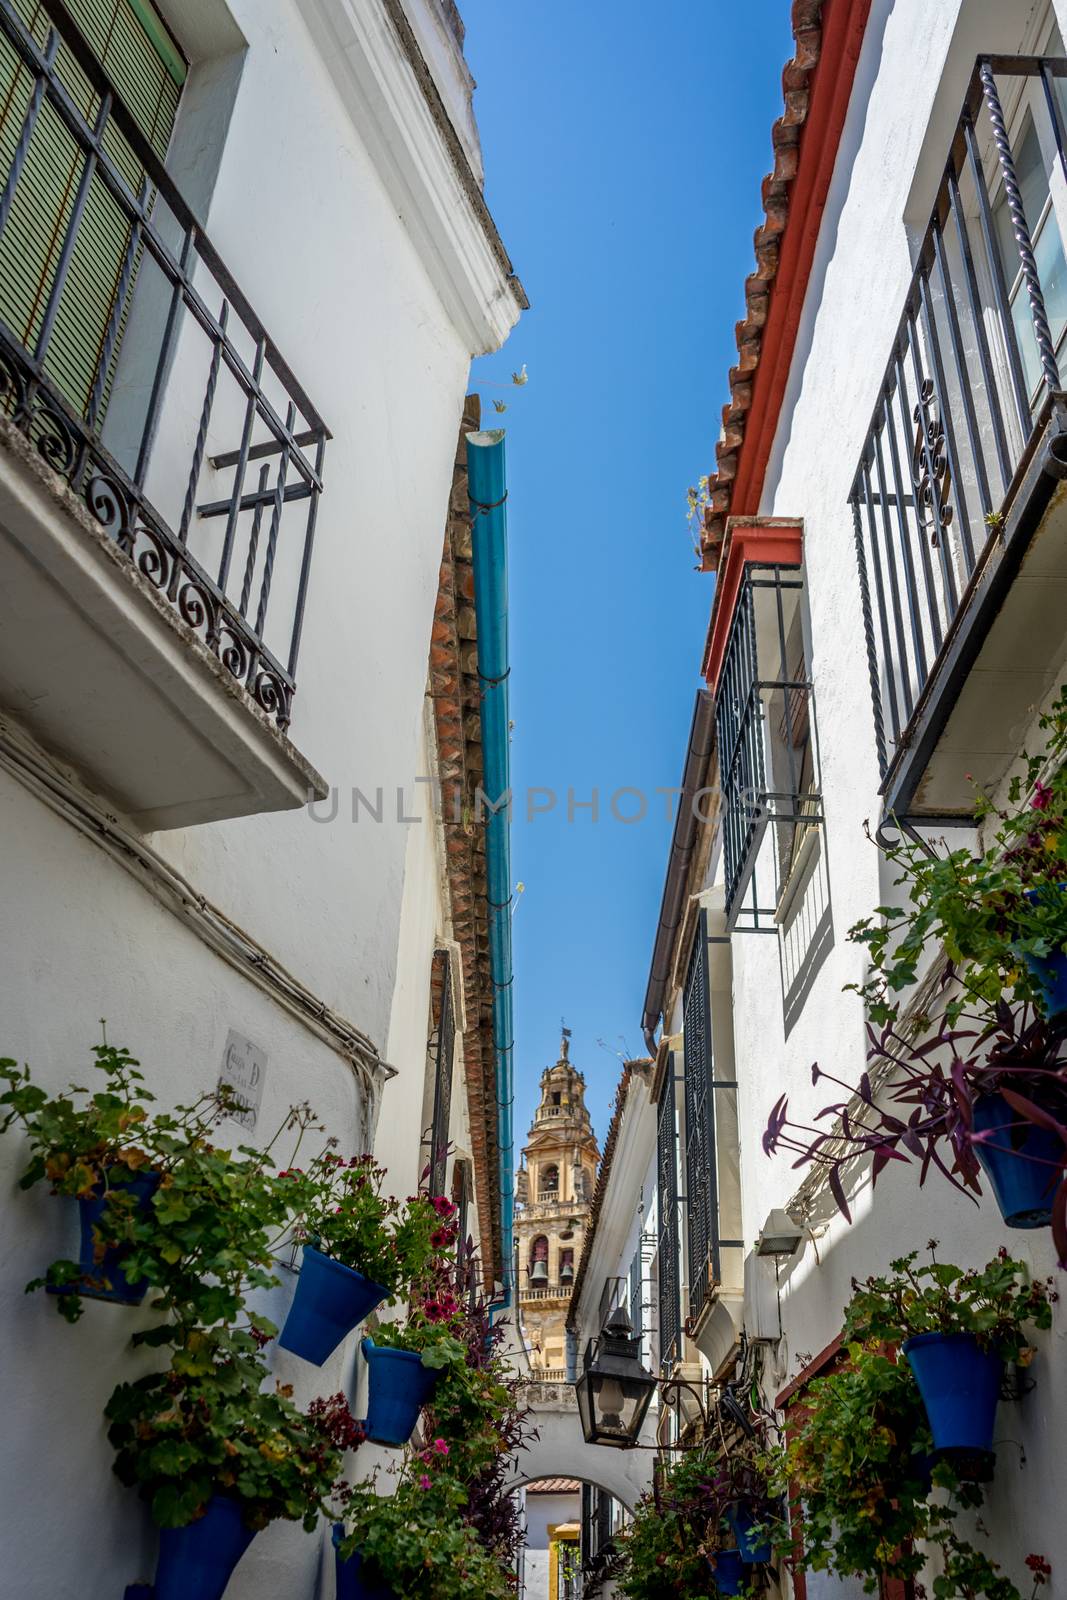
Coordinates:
111 1282
1024 1169
196 1562
399 1388
1049 972
352 1583
960 1385
751 1545
728 1572
331 1299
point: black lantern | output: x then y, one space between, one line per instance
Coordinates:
614 1389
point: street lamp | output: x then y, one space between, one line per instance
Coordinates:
614 1390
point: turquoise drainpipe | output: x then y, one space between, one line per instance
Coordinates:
488 492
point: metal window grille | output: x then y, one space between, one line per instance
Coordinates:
973 378
670 1292
765 728
701 1180
637 1294
442 1084
196 323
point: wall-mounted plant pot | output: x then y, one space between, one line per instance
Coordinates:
752 1544
728 1572
352 1583
105 1279
196 1562
960 1386
1022 1164
399 1388
1049 972
331 1299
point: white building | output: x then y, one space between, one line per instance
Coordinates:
235 350
888 536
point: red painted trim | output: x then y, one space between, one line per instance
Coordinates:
772 541
843 24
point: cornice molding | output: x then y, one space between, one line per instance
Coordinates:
389 93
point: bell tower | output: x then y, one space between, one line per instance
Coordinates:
554 1193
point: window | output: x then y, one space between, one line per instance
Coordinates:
670 1290
701 1185
443 1066
764 725
132 43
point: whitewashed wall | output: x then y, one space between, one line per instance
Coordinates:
355 297
914 66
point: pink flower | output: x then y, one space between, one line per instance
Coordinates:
440 1447
424 1482
1042 797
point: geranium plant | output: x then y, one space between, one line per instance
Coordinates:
995 1304
341 1210
676 1526
416 1541
995 912
855 1463
183 1436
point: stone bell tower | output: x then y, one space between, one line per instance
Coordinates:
553 1197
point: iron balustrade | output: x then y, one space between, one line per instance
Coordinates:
765 731
701 1155
171 277
972 382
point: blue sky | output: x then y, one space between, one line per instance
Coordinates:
624 148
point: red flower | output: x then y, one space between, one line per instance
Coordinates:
1042 797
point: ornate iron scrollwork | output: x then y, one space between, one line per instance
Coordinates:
929 466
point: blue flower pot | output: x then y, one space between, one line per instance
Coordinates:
139 1591
331 1299
751 1546
960 1386
1049 972
399 1388
728 1572
110 1281
196 1562
1024 1172
351 1583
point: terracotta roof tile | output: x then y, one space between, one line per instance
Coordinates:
785 141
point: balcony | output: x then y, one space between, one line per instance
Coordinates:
160 469
959 511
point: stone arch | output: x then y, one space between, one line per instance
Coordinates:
559 1451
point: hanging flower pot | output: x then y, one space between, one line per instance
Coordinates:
1022 1162
196 1562
105 1279
728 1571
752 1543
960 1385
331 1299
352 1584
1049 972
399 1388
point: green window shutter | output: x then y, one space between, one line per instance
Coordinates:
132 43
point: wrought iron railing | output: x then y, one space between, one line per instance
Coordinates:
179 327
972 380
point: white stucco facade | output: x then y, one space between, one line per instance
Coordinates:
774 1016
316 143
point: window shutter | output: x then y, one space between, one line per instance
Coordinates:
670 1293
132 43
